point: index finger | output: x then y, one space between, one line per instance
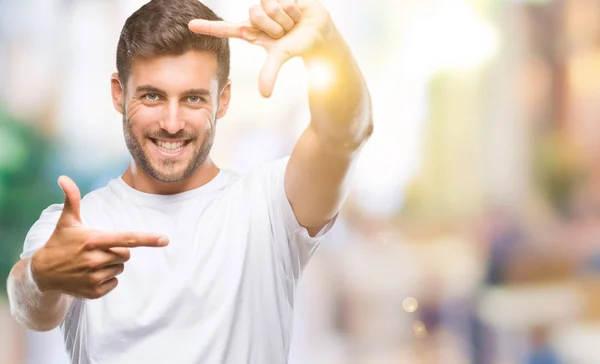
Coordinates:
127 240
216 28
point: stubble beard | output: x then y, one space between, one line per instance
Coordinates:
167 170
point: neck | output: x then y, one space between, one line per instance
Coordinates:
139 180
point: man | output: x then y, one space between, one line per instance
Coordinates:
210 276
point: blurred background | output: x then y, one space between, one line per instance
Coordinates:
472 232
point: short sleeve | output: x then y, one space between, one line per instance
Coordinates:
41 230
294 238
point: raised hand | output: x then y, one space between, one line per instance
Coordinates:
82 262
285 28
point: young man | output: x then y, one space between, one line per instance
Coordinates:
210 276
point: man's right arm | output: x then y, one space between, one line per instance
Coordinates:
39 311
69 261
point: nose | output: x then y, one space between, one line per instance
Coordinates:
172 122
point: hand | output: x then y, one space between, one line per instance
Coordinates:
82 262
284 28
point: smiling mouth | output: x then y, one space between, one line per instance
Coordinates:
170 147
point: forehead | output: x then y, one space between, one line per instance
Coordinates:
192 69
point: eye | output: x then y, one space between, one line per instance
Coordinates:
194 99
152 97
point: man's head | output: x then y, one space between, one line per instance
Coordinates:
171 87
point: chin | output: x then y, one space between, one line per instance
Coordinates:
169 174
169 178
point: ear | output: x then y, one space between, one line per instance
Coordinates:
224 100
117 92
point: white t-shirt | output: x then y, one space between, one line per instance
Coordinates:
221 292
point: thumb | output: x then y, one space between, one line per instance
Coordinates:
71 212
270 70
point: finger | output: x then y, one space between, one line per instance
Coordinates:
71 208
292 9
103 289
270 70
259 19
221 29
108 272
98 259
126 240
122 254
274 11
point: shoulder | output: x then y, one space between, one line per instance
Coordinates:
51 213
264 186
107 195
258 187
274 168
110 189
267 174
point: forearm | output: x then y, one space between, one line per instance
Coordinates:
40 311
317 175
341 112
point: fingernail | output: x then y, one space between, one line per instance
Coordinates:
163 241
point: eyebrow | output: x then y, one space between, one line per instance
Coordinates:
192 91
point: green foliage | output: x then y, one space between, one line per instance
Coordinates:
25 189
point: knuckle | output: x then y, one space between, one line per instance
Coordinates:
288 6
272 9
129 239
275 31
93 262
249 35
126 255
114 282
94 279
120 268
92 293
257 16
95 294
254 9
278 32
253 18
90 242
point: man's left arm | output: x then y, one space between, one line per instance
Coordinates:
318 172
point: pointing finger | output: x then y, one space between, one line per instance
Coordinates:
221 29
127 240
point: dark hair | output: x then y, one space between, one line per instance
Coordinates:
161 28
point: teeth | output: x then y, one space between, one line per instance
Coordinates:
169 146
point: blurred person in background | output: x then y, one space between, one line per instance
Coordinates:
218 285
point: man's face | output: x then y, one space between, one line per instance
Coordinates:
170 106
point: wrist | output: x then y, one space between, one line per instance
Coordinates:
33 274
329 45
